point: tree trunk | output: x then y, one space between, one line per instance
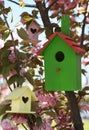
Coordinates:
75 113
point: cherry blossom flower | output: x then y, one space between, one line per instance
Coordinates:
63 120
35 49
6 125
67 4
46 125
12 56
2 2
85 107
1 43
19 119
47 100
37 0
85 60
87 20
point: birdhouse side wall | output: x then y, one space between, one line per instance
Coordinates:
78 69
15 105
60 75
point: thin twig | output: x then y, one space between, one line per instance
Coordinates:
26 5
83 27
13 43
24 126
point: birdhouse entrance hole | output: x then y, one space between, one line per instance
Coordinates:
59 56
33 30
25 99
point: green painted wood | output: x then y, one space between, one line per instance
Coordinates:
64 75
65 25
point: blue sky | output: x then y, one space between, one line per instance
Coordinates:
17 10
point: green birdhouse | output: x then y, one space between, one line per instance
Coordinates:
62 59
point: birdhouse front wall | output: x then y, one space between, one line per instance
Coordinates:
62 66
33 31
22 103
25 101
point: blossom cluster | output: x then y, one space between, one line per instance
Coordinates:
47 100
46 125
64 120
66 3
6 125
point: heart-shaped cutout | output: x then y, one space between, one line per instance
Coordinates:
33 30
25 99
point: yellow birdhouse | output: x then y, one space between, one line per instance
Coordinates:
21 98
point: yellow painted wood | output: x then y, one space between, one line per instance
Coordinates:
21 98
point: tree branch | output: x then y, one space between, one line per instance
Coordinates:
52 4
44 15
26 5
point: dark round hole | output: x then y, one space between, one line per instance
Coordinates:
59 56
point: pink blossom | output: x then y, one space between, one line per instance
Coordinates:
87 20
6 125
37 0
46 125
70 5
85 107
35 49
19 119
47 100
67 4
85 61
2 2
22 21
1 43
63 120
22 71
4 90
12 57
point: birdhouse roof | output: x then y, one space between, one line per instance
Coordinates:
17 92
69 41
32 23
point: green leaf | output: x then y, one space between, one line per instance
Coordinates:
9 43
22 55
39 121
4 106
29 77
35 12
15 78
84 72
20 80
3 28
6 10
22 33
5 35
5 71
48 32
5 54
2 22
